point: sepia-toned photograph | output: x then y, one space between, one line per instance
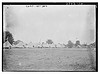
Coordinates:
49 37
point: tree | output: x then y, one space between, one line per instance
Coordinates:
8 36
49 41
77 43
70 44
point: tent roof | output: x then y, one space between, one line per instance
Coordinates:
20 44
7 44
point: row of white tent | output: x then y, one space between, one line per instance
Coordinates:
31 45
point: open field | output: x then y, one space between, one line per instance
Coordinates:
49 59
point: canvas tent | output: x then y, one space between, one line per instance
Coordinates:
58 45
35 45
39 45
62 45
45 45
30 45
78 46
20 45
51 45
7 45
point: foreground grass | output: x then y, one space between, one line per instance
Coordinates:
48 59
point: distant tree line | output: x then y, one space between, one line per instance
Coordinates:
7 36
77 44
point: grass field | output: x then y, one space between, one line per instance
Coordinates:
49 59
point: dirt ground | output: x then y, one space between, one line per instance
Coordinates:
49 59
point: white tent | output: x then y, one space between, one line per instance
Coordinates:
30 45
20 45
7 45
45 45
78 46
35 45
52 45
62 45
58 45
39 45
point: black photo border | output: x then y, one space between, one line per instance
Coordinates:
55 3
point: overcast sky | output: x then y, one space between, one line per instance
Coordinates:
59 23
